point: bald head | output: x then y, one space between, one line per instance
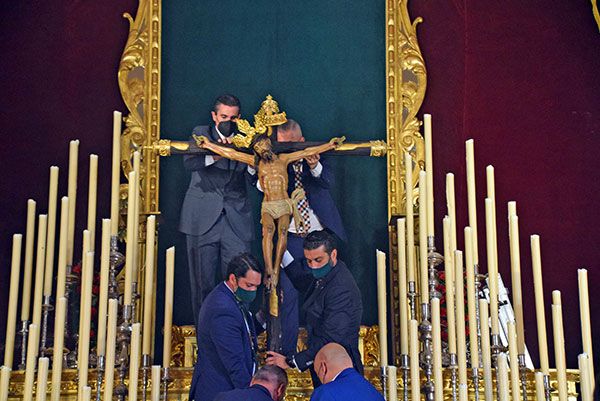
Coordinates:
331 359
289 131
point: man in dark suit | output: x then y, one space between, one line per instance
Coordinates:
268 384
315 175
216 213
333 304
226 333
340 380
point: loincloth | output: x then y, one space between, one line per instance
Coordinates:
281 207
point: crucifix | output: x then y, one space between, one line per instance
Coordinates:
254 147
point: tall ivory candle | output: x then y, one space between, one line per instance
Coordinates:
155 383
85 249
514 360
111 341
102 302
92 197
392 373
559 345
410 219
51 233
492 263
515 270
28 266
169 280
402 286
502 378
4 382
463 392
15 271
61 278
115 182
471 297
436 324
42 379
86 393
429 170
136 215
540 313
39 270
584 313
149 285
587 390
134 361
461 340
72 194
32 353
131 240
471 195
424 284
382 307
415 373
449 277
85 316
486 356
59 336
540 391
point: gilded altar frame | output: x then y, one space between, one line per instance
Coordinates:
139 78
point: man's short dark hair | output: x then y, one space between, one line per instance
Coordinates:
317 239
240 265
271 374
227 100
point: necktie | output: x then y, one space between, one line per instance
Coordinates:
303 227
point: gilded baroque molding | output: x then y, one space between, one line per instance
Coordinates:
406 82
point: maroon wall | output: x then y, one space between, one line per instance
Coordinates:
58 73
521 78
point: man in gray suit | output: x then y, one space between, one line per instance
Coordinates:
216 212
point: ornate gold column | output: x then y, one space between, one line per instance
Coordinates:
406 79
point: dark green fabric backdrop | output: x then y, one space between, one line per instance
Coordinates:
325 65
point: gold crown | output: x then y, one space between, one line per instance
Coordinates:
267 117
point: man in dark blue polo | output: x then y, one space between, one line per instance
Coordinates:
340 380
226 333
268 384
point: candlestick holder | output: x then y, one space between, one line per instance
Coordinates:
100 367
523 372
23 332
166 378
433 260
547 388
426 356
405 368
384 388
46 308
146 366
479 278
116 261
453 366
71 281
412 299
123 341
475 373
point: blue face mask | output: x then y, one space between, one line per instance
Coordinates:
322 271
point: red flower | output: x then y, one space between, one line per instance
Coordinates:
95 289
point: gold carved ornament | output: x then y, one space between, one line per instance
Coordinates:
265 119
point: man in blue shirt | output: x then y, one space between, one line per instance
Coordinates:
340 380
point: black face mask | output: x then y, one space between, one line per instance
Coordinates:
227 128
